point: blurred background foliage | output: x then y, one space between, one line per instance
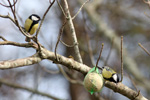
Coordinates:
127 18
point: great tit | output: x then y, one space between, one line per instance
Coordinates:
31 24
109 74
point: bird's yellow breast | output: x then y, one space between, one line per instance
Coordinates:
28 24
108 74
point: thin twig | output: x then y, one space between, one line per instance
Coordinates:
61 8
13 12
3 38
14 85
9 5
59 36
15 21
38 30
15 9
79 10
99 55
8 16
26 45
39 46
133 82
70 46
50 71
144 49
121 58
146 14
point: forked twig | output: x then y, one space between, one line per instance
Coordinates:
9 5
80 9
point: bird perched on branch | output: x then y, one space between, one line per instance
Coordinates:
109 74
31 25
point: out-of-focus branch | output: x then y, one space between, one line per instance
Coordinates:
14 85
68 78
72 31
50 71
90 49
80 9
112 42
144 49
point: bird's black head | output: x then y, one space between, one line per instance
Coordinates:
34 17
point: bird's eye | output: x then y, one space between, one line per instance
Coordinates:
107 69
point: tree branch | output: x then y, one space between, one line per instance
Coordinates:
71 64
26 45
73 33
20 62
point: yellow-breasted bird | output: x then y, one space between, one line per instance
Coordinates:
31 25
109 74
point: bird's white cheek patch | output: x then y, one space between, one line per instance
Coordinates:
34 18
115 77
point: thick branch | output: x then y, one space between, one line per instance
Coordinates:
73 33
71 64
124 90
20 62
